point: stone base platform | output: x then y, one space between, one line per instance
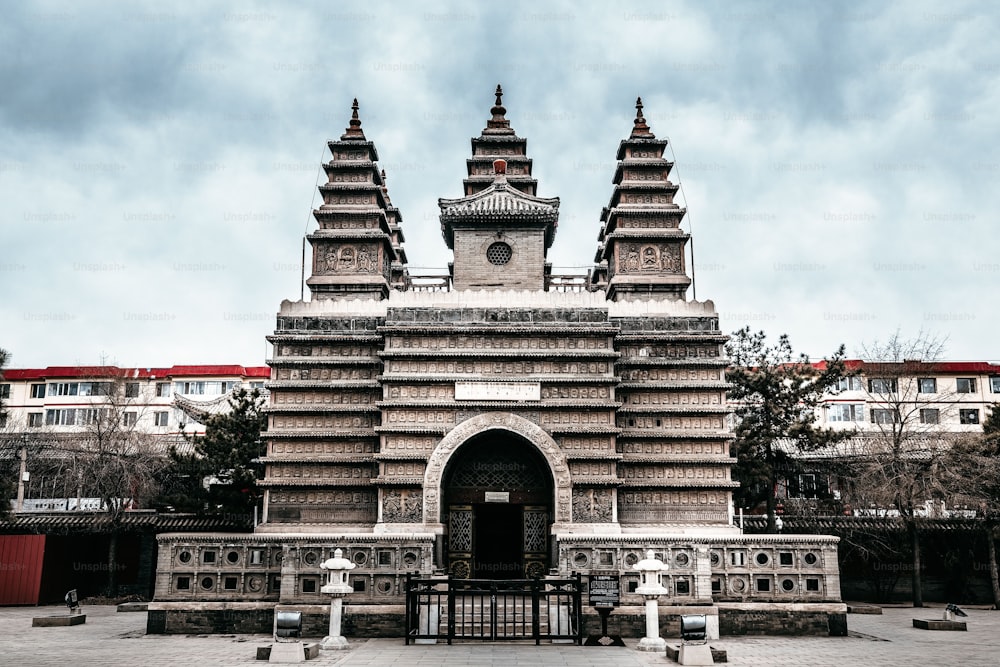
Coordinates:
939 624
309 652
133 606
674 654
58 621
388 621
863 609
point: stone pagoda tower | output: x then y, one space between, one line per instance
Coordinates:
641 255
358 239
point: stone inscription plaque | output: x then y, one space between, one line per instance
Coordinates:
498 391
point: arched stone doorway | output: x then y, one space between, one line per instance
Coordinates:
497 491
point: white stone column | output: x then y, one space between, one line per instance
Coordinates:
652 641
335 640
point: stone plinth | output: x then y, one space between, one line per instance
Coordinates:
938 624
58 621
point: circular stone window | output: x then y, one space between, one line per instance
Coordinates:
682 559
762 558
739 585
810 558
208 583
716 558
580 559
311 558
383 586
409 559
233 557
631 559
360 558
184 556
499 253
787 585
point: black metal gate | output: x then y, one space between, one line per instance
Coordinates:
493 610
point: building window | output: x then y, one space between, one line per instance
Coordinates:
229 385
763 585
884 416
161 418
309 585
929 416
852 383
129 418
35 419
812 585
965 385
60 417
95 389
189 387
846 412
229 583
260 385
183 583
38 391
3 420
807 485
927 385
995 384
4 390
499 253
131 390
970 416
882 386
208 557
64 389
786 559
162 389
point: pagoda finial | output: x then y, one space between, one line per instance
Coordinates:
640 129
498 124
354 131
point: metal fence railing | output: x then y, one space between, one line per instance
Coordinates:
444 608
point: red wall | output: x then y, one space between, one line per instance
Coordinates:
20 568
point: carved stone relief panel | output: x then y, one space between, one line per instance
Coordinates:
402 506
592 505
343 258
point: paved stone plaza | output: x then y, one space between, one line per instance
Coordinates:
110 638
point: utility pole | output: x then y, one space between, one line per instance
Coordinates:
23 473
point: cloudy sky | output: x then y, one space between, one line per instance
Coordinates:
839 161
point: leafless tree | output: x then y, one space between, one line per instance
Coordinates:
115 457
973 474
898 460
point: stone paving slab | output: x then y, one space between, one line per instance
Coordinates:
109 639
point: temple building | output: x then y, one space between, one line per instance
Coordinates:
502 421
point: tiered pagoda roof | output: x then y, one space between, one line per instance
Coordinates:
641 251
359 238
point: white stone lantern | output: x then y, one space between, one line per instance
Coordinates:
337 586
651 587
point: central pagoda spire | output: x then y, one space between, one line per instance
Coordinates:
500 231
498 140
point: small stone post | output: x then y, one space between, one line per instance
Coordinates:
651 588
337 586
